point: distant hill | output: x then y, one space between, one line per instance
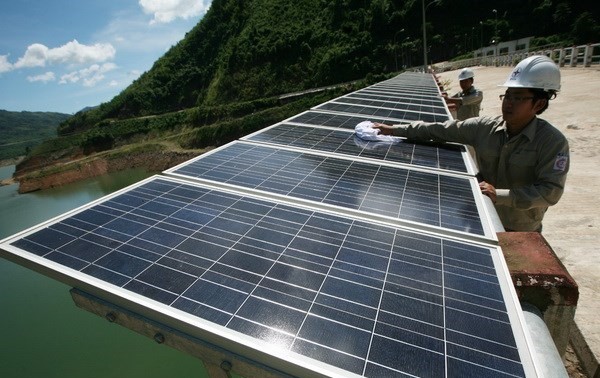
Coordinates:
20 131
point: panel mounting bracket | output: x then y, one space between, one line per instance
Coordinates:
218 362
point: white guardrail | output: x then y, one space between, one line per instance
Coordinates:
574 56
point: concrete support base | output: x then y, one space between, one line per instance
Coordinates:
542 280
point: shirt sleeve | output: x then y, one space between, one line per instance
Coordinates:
473 98
465 132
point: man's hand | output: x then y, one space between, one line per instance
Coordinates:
488 190
383 128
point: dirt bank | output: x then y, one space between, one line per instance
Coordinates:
91 167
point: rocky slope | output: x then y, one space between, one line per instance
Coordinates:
153 161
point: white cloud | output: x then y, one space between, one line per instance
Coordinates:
38 55
35 56
88 76
165 11
5 65
72 77
74 52
45 77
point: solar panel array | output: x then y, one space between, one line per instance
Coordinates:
406 195
390 100
443 156
325 255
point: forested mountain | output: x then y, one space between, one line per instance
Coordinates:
244 50
224 78
19 131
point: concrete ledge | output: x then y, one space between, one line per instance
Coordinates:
543 281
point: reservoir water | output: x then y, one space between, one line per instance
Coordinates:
43 333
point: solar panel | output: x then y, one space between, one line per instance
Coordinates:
308 252
422 108
381 112
420 85
409 98
402 194
323 293
343 121
438 156
400 93
425 102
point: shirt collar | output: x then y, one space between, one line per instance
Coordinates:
528 131
469 91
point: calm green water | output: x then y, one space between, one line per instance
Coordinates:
43 333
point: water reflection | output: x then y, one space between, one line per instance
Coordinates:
41 321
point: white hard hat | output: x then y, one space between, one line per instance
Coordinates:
465 74
537 71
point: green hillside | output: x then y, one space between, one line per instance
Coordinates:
244 50
20 131
243 54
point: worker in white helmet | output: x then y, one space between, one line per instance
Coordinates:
523 160
466 103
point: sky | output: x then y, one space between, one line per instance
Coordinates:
65 55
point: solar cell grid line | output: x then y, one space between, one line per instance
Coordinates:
401 105
405 96
446 157
401 115
426 86
405 88
420 80
304 291
434 97
409 77
425 83
343 121
403 91
404 111
395 94
419 91
376 189
388 97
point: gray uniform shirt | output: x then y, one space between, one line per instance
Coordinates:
528 170
470 103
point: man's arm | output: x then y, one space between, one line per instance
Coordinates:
466 132
472 98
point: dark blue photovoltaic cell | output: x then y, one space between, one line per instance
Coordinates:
403 91
394 192
400 115
368 297
399 85
439 156
422 108
390 97
343 121
373 300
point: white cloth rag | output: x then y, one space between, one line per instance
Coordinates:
365 131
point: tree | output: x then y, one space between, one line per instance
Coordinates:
585 29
